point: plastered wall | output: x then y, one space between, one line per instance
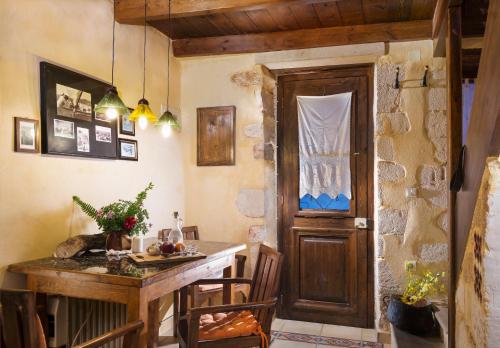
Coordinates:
36 211
410 146
477 307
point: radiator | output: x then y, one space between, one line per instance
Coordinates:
94 318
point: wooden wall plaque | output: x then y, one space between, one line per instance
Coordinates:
216 136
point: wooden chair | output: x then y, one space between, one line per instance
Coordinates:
20 326
202 293
264 288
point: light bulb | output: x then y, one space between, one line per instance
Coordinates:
143 122
111 113
166 130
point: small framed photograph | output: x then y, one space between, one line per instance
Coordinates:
25 135
73 103
64 129
127 127
103 134
82 139
127 149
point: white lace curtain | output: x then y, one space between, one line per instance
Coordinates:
324 144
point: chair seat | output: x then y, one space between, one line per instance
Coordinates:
228 325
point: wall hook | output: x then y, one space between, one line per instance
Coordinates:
396 84
424 79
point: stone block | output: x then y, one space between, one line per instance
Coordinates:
441 146
386 280
440 200
432 178
443 222
250 202
436 124
400 123
388 98
392 221
436 252
436 127
254 130
390 172
269 152
257 234
380 124
385 148
437 98
258 151
438 75
247 78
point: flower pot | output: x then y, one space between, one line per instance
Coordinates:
118 241
415 320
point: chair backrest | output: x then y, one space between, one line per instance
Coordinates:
266 276
266 281
188 232
19 320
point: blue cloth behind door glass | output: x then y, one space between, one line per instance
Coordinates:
324 202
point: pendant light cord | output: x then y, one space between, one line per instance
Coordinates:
168 51
113 51
144 72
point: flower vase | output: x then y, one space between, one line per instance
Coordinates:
118 240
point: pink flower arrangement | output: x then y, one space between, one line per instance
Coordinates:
129 223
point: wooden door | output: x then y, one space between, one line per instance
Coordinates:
328 269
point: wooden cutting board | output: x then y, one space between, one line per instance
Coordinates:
144 259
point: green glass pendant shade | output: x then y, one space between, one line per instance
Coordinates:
143 110
168 119
111 101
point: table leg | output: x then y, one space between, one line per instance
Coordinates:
176 312
138 308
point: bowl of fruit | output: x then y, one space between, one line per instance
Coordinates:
169 249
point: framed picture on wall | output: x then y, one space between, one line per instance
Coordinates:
127 127
216 136
127 149
25 135
69 125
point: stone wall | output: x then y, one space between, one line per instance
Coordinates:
410 147
478 310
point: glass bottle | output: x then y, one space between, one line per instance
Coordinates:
175 236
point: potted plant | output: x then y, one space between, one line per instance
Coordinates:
413 312
120 220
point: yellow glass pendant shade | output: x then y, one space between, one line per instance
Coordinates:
143 111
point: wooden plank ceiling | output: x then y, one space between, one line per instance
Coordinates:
202 27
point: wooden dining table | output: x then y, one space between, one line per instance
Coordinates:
97 277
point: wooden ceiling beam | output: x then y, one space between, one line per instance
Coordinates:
132 11
304 38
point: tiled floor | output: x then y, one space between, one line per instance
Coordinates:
299 334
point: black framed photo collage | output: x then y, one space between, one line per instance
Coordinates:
69 124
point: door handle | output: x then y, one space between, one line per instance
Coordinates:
361 223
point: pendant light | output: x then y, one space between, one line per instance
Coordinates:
111 105
167 120
143 113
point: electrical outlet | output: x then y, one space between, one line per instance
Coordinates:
410 266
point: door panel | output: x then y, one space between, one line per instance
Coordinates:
325 267
330 273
